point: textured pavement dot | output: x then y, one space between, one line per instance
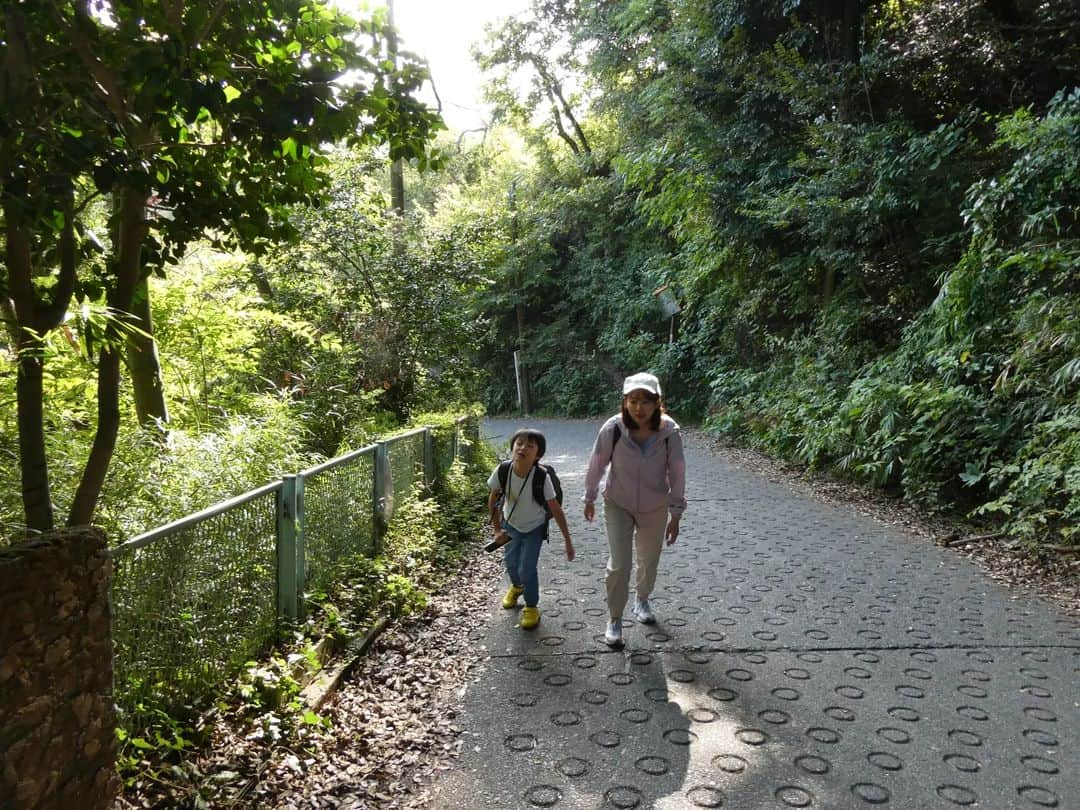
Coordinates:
752 736
885 761
1039 796
730 763
521 742
1036 691
653 765
1040 714
793 796
965 737
957 794
566 718
904 713
572 767
774 717
972 713
870 792
812 764
722 694
1040 764
840 713
679 736
624 797
705 796
962 762
635 715
1038 735
606 739
894 735
702 715
543 795
823 735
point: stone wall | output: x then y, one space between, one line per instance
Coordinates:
57 722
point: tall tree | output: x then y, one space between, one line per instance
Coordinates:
217 111
537 47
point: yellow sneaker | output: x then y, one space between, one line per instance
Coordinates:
510 600
530 617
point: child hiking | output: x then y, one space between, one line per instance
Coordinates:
643 498
520 523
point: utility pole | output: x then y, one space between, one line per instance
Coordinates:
520 372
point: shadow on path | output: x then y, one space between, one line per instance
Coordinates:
806 656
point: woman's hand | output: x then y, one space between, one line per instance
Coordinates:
672 532
590 511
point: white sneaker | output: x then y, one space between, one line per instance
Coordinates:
643 613
613 636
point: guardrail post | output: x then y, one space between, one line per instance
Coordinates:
429 459
378 499
286 549
301 558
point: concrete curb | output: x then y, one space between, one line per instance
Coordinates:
326 681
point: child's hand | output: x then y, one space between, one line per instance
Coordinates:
569 551
590 511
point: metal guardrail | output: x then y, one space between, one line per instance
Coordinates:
194 599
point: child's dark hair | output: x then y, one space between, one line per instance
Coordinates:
530 434
654 423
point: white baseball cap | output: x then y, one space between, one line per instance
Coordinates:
643 382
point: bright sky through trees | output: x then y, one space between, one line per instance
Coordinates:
442 31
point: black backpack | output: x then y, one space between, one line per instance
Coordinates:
542 471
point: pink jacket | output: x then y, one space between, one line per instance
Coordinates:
639 481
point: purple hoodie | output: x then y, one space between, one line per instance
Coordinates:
639 480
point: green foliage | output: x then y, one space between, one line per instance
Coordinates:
870 223
153 482
977 405
195 125
382 299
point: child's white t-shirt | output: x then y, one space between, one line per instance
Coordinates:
527 514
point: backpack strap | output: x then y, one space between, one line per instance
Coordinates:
539 479
503 471
616 434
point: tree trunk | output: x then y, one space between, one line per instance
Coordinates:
143 362
397 167
33 318
97 464
130 233
852 30
33 462
828 286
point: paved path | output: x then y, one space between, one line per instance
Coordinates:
805 656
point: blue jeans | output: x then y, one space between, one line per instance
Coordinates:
521 555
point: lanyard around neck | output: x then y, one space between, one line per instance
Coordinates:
509 482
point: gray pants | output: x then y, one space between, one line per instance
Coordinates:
623 541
